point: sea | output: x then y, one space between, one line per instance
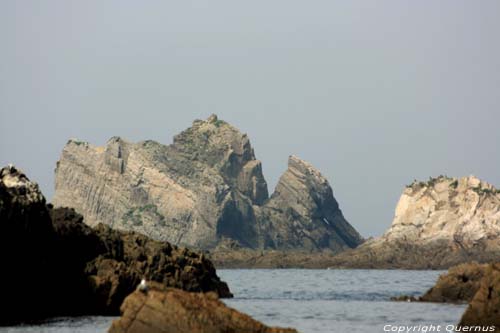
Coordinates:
313 300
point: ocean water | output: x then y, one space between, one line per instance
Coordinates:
311 301
342 300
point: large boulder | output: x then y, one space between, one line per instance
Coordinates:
55 265
167 310
205 188
458 285
484 309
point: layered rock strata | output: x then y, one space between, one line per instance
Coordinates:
205 188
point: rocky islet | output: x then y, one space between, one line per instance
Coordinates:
204 189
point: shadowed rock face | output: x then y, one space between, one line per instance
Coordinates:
302 212
484 309
166 310
437 224
26 238
205 188
55 265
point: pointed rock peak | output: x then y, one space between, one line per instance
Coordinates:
215 133
210 123
299 166
303 194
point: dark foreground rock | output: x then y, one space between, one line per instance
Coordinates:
458 285
168 310
55 265
113 263
484 309
26 238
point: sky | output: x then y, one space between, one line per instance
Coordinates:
372 93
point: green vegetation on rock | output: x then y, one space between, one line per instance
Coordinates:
135 215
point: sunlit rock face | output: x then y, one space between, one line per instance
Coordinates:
205 188
438 223
465 211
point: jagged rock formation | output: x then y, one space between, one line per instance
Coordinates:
166 310
303 203
204 189
55 265
438 224
484 309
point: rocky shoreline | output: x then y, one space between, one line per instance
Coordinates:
438 224
55 265
66 268
392 256
473 283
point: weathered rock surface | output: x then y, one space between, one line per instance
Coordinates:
113 262
458 285
205 188
438 224
168 310
484 309
303 214
54 264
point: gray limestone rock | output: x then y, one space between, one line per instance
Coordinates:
204 188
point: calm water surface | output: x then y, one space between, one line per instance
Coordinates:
311 301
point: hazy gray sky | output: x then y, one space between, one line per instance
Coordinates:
373 93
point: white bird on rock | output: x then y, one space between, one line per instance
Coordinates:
143 286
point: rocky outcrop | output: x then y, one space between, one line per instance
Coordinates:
26 237
458 285
484 309
437 224
205 188
166 310
113 263
476 284
55 265
303 214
